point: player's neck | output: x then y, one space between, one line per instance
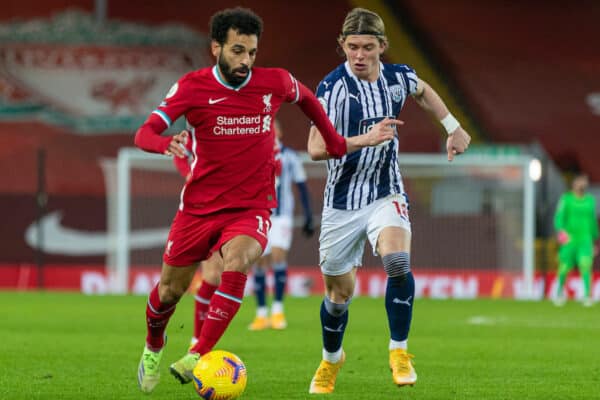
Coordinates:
221 79
374 76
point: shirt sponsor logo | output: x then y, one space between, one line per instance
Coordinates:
366 124
242 125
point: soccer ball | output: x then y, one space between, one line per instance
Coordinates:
220 375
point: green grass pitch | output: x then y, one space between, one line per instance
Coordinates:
71 346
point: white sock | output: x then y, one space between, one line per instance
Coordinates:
394 344
262 312
277 307
332 357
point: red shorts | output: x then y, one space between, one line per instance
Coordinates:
193 238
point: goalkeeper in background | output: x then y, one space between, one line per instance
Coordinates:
577 229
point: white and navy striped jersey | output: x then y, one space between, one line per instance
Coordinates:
354 106
292 171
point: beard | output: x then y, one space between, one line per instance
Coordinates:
229 73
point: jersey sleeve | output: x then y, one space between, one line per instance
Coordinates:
291 92
298 172
331 98
175 103
559 215
595 231
409 78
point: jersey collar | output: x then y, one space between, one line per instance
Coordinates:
349 71
227 85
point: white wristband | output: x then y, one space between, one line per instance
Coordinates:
450 123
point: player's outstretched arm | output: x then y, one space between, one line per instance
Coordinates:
334 143
379 133
148 138
458 139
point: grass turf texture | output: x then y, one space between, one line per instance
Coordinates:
71 346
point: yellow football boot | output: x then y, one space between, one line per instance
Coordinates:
403 372
325 376
259 324
278 321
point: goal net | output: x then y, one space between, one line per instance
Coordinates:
472 222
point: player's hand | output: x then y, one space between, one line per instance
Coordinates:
308 229
457 143
177 146
382 131
562 237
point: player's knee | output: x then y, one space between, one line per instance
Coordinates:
171 292
237 263
212 276
336 309
397 265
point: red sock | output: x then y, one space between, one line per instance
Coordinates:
201 301
223 306
157 318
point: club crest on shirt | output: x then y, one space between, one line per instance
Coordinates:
396 91
267 101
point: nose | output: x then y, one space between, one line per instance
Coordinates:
246 59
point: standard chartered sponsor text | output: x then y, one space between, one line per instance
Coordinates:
235 125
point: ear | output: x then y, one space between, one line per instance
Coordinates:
215 48
384 46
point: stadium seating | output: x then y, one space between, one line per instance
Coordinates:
523 76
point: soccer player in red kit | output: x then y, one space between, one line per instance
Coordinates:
225 204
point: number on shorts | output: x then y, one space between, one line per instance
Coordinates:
401 209
263 226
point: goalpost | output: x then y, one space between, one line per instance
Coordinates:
476 213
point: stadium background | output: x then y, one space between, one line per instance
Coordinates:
528 75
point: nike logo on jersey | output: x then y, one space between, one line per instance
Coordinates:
405 302
215 101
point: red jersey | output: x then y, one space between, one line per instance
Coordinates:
232 136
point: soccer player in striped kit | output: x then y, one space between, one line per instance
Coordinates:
364 194
226 202
280 237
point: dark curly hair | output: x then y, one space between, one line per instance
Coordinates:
242 20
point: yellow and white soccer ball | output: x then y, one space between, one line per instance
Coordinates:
220 375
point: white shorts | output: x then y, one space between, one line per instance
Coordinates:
280 235
344 232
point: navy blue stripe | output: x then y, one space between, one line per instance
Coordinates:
371 180
367 151
340 193
396 182
384 182
404 80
